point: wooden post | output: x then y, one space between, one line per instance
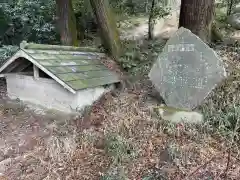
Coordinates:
35 72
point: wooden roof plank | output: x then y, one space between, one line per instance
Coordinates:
84 75
59 62
25 45
75 69
48 52
25 55
91 83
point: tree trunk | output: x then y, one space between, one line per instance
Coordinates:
67 22
230 4
151 21
3 22
197 16
108 27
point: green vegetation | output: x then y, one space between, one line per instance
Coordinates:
134 143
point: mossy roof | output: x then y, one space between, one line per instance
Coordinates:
76 68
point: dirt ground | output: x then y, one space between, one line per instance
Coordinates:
58 147
35 146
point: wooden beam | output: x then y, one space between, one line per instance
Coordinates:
26 73
11 60
14 65
22 67
35 71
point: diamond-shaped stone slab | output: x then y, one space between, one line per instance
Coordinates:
186 71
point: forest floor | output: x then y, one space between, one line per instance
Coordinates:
122 138
136 28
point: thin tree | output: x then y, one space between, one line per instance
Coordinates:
151 21
67 22
158 10
197 16
231 5
108 27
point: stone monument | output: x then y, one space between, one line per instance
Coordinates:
186 71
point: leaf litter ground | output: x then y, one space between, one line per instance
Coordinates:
120 138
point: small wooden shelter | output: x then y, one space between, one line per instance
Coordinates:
58 77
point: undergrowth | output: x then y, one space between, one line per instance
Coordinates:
139 56
215 142
6 52
115 173
118 147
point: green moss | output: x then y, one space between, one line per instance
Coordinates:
72 25
94 82
25 45
169 109
108 27
63 69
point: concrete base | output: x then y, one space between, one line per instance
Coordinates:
179 116
48 93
